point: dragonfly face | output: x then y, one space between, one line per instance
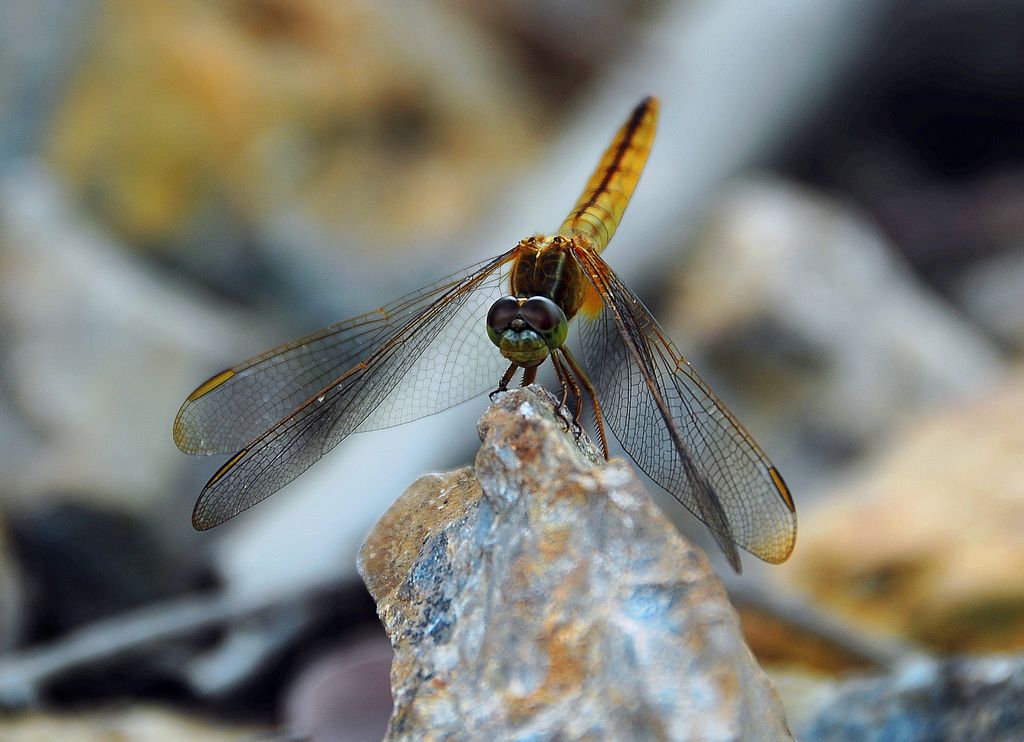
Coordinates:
547 288
279 412
526 329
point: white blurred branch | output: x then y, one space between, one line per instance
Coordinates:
25 672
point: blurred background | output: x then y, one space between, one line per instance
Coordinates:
831 226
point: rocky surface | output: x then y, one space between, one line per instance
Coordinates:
542 595
990 292
957 700
133 724
12 593
343 695
813 328
97 350
188 124
927 541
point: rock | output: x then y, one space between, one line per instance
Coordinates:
78 552
811 327
98 355
990 291
426 509
543 596
961 700
188 124
927 542
343 695
12 593
804 692
131 724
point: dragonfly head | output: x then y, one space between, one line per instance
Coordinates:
525 330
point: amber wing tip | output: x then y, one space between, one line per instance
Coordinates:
209 385
782 488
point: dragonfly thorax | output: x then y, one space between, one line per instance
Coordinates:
525 330
545 266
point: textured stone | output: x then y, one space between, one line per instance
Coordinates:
342 695
555 601
126 724
961 700
811 326
928 542
188 122
12 593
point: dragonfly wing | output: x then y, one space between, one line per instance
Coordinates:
455 362
231 409
352 401
676 430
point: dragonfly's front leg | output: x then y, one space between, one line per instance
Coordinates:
505 379
585 381
562 380
565 378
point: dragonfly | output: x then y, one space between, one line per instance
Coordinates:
280 412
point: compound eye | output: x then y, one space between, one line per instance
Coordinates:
547 318
541 313
501 313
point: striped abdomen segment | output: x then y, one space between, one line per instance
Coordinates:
598 211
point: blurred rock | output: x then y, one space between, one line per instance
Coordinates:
804 692
74 558
990 292
957 700
928 541
12 593
98 355
190 125
563 45
777 642
38 41
924 132
555 602
344 695
135 724
814 331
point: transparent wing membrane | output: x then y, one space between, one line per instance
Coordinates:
676 430
432 342
230 410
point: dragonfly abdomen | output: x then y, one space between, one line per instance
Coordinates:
598 211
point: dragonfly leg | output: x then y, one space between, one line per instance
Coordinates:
585 381
505 379
560 373
529 375
567 382
579 396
